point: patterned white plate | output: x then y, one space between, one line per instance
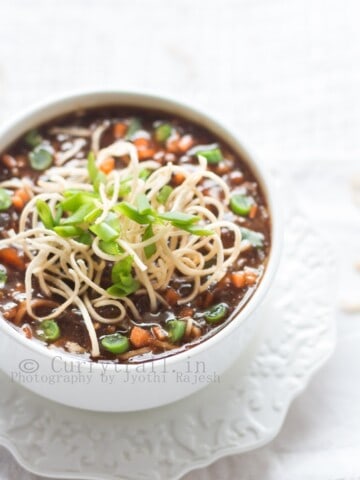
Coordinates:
243 411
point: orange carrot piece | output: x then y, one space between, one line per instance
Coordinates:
238 279
171 296
9 161
144 148
27 331
250 278
140 337
172 145
119 130
18 202
23 194
107 165
185 143
10 256
253 211
178 178
186 312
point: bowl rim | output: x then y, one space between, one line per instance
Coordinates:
105 97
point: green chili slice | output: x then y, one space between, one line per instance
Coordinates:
213 156
163 132
241 204
176 330
49 330
3 276
216 313
115 343
5 199
33 138
40 159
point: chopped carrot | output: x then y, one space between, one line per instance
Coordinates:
9 161
22 193
185 143
11 256
107 165
160 333
141 142
238 279
172 144
18 202
120 129
27 331
186 312
140 337
236 178
253 211
250 278
178 178
144 148
223 168
171 296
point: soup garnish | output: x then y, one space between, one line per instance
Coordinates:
127 235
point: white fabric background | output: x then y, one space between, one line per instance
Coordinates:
286 75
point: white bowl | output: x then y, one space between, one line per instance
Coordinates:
117 388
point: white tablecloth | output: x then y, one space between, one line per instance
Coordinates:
286 75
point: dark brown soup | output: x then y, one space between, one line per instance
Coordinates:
127 234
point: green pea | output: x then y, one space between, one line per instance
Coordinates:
115 343
49 330
241 204
216 313
5 199
176 329
40 159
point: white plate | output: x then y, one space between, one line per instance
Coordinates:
244 411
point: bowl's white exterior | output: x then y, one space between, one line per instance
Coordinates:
109 387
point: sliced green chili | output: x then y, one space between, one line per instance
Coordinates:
115 343
216 313
40 159
241 204
3 276
5 199
33 138
213 156
49 330
176 330
163 132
